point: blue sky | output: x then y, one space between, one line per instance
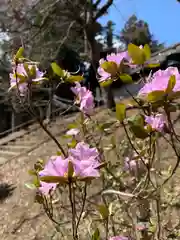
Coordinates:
163 17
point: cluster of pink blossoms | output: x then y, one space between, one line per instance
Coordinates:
15 79
159 82
85 162
84 98
117 59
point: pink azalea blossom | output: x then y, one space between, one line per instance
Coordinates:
19 69
157 122
84 98
84 160
119 238
113 57
45 188
159 81
73 132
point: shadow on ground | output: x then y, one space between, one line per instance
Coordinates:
6 190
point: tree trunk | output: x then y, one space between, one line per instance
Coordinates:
95 56
109 97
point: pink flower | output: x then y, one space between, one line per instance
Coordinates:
84 98
157 122
113 57
45 188
85 160
20 70
159 81
72 132
56 166
119 238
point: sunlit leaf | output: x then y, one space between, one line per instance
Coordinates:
125 78
96 235
120 111
30 186
155 96
147 51
19 53
104 211
171 84
110 67
136 54
152 65
106 83
53 179
57 70
73 79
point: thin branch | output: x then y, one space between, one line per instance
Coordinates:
103 10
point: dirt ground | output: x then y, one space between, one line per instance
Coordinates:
23 219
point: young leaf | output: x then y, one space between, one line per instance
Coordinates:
30 185
110 67
104 211
137 54
106 83
57 70
171 84
138 131
96 235
147 51
19 53
125 78
152 65
120 111
53 179
73 79
155 96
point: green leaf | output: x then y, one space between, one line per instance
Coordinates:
120 111
136 54
57 70
30 185
106 83
33 72
152 65
72 125
147 51
125 78
136 119
32 172
104 126
53 179
26 67
19 53
171 84
104 211
155 96
96 235
110 67
73 143
138 131
73 79
136 124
